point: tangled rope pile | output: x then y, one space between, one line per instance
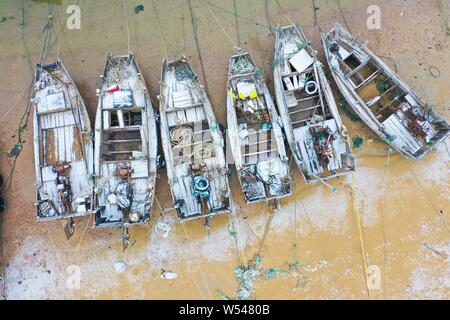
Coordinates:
181 136
203 151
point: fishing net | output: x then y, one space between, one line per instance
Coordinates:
242 65
246 276
183 72
303 45
382 86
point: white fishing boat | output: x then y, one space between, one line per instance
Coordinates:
125 146
313 127
63 146
254 130
193 145
377 95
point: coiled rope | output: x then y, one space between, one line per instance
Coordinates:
203 151
181 136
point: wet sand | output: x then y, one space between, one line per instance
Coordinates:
403 205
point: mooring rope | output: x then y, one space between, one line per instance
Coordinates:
233 224
386 192
435 209
236 23
58 42
220 26
284 12
314 235
360 233
321 249
266 231
125 12
343 15
22 24
54 247
194 27
241 17
316 19
160 30
83 234
180 250
266 9
196 261
23 122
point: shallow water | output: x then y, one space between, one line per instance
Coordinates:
403 205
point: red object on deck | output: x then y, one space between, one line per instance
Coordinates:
113 88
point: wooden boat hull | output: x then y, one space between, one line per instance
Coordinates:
376 95
311 120
255 134
63 146
193 145
126 147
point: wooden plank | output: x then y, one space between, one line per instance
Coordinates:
393 124
191 115
48 174
140 169
56 119
68 143
171 119
200 113
181 116
61 145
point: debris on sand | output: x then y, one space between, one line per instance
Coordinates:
138 8
245 276
120 266
357 141
168 275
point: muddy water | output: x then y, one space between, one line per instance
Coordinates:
403 205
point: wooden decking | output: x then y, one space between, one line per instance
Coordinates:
384 102
192 143
62 138
127 142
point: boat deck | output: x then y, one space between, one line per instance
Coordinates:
192 144
255 135
61 139
381 99
307 105
126 156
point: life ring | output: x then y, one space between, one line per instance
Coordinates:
308 86
201 184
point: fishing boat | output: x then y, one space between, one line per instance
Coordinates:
193 144
125 146
63 146
377 95
313 127
256 137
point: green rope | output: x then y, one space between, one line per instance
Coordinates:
15 151
241 17
382 86
344 107
194 29
223 295
357 141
